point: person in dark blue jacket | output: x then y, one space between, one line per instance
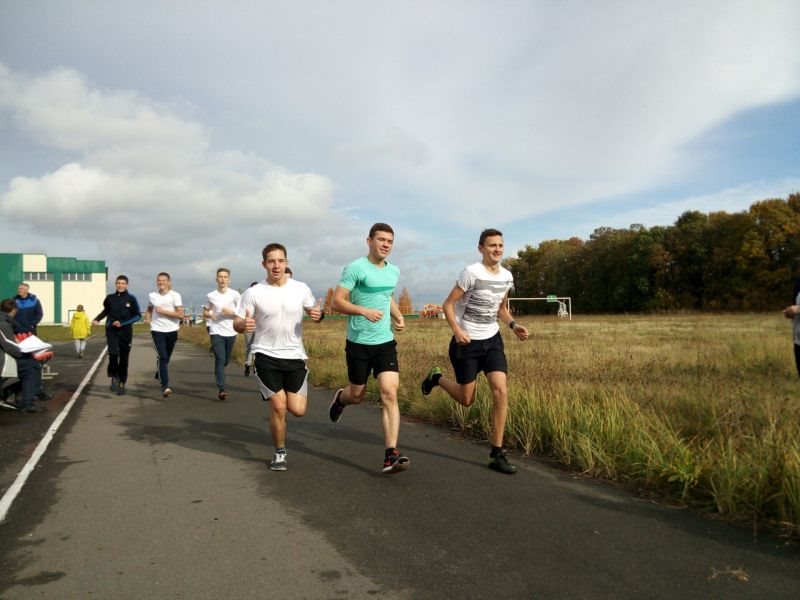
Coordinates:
120 310
29 310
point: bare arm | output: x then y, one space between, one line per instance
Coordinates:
397 316
341 303
175 314
246 324
505 316
449 309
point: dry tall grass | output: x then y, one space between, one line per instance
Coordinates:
703 409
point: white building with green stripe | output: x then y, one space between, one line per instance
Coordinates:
59 283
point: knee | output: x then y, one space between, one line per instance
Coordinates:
298 412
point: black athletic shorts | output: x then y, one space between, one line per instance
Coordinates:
479 355
363 359
276 374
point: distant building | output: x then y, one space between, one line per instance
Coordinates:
432 311
59 283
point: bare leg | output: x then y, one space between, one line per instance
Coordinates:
499 384
389 381
353 394
464 394
277 419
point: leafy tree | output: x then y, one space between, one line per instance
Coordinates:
405 305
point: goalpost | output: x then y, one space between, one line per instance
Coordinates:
564 304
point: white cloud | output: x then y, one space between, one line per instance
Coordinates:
730 200
306 121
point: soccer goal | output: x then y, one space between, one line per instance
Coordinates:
564 304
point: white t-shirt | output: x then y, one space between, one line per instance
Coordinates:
278 311
476 311
171 301
215 302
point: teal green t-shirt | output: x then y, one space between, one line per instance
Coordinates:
370 287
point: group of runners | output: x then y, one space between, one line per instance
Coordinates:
271 314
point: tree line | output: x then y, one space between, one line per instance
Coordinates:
717 261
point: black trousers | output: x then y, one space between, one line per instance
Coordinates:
119 340
797 357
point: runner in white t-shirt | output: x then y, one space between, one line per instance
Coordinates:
478 298
219 310
273 311
164 313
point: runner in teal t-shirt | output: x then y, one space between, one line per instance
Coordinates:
370 286
365 294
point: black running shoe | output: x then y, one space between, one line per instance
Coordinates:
247 370
500 463
114 384
336 409
395 463
431 380
121 389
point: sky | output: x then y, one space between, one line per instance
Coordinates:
185 135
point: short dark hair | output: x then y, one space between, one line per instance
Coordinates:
488 233
288 271
273 246
380 227
223 270
8 305
123 277
163 274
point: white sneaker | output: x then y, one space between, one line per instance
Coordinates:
278 462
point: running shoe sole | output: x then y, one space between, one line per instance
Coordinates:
398 466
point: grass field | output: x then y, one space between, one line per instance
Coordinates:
702 410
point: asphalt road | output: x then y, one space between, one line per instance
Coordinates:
138 497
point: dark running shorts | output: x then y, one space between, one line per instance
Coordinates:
363 359
276 374
479 355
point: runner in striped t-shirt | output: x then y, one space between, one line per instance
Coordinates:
478 298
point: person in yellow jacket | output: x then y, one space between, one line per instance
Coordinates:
80 327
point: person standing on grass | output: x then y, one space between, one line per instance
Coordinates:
793 312
472 308
121 311
164 314
365 293
273 312
80 328
219 310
